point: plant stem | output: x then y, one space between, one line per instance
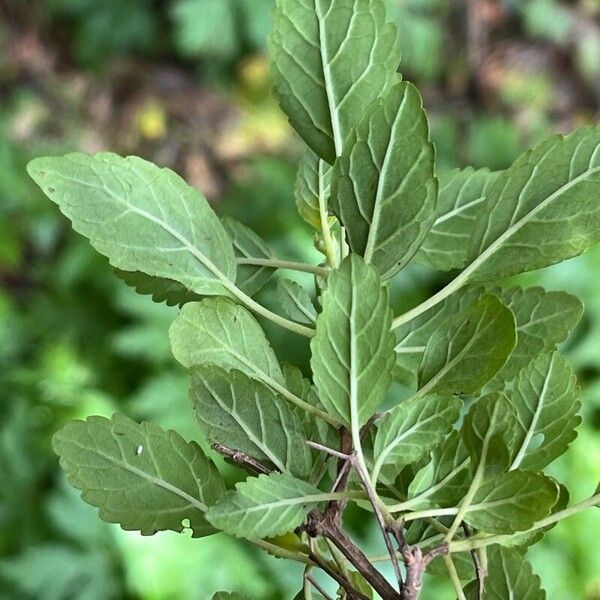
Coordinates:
482 542
259 309
454 578
282 552
466 502
328 239
284 264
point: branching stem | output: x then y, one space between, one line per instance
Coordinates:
284 264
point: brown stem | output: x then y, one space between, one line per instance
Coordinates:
322 524
352 593
242 459
480 573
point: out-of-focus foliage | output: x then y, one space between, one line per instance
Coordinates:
185 83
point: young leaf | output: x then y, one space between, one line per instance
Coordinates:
219 332
445 480
460 199
244 414
410 430
542 210
246 244
139 475
383 187
313 188
353 349
296 302
142 217
544 397
509 576
161 289
331 59
511 502
489 431
467 351
265 506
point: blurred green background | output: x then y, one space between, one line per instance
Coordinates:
185 83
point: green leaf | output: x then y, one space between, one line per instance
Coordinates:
161 289
511 502
509 576
489 431
228 596
383 187
542 210
353 349
544 397
317 429
265 506
460 199
246 244
142 217
410 430
219 332
543 319
445 480
331 59
244 414
139 475
313 188
468 350
296 302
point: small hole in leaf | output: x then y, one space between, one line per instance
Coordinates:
139 450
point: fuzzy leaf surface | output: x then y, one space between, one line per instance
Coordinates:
139 475
460 199
142 217
469 349
383 187
244 414
331 59
544 397
265 506
542 210
353 349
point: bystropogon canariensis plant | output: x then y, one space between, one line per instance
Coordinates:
453 475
